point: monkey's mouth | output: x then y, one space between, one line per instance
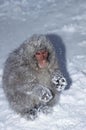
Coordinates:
42 64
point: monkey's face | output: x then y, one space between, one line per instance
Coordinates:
42 58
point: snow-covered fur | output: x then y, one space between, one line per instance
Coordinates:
26 86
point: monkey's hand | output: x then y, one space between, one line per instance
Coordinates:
59 81
43 93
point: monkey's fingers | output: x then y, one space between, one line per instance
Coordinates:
43 93
61 84
46 95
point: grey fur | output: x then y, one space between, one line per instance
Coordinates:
25 85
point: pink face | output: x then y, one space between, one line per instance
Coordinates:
41 57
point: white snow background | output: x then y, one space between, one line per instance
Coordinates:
19 19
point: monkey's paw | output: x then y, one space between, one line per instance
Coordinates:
43 93
46 95
60 83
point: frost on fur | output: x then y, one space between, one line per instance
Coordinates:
43 93
59 80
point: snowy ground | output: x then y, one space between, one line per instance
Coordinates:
66 18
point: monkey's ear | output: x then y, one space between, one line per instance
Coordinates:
52 58
49 56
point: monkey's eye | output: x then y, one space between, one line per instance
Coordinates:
43 52
38 53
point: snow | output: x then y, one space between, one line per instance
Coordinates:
66 18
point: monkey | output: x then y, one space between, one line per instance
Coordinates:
32 77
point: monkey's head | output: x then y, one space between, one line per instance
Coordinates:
40 51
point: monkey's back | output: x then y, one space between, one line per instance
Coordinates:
18 80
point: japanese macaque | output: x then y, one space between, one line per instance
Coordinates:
32 78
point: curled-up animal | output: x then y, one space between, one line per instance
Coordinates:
30 79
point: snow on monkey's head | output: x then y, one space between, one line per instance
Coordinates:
40 51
